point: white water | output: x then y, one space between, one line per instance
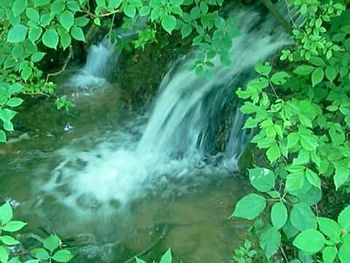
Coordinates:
99 64
181 131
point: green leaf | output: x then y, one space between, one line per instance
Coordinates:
6 212
7 115
168 23
273 153
14 102
331 73
317 61
344 218
32 261
258 84
280 78
52 242
45 20
140 260
262 179
2 138
37 56
8 126
97 21
16 88
81 21
329 227
270 241
130 11
279 215
16 260
186 30
65 38
57 7
66 19
263 69
313 178
18 7
4 254
77 33
344 253
317 76
17 34
14 226
308 141
310 241
63 255
304 70
34 33
295 181
41 254
250 206
145 11
73 6
9 241
50 38
26 72
329 254
114 4
292 139
33 14
41 2
195 13
341 175
167 257
302 217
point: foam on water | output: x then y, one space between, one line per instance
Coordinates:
97 68
180 133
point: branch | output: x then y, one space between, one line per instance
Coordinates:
70 55
276 14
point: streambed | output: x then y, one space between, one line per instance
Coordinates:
115 181
187 215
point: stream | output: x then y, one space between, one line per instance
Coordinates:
114 182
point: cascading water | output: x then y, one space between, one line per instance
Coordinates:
97 67
180 133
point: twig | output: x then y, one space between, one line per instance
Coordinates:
290 15
150 247
70 55
108 14
280 19
111 28
284 254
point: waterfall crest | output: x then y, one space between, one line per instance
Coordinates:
98 66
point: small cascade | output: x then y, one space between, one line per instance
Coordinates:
99 65
189 107
181 131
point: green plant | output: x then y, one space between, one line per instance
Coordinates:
34 32
8 101
64 103
245 253
302 116
51 251
166 258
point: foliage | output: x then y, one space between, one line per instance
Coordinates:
245 253
302 117
64 103
166 258
11 250
34 32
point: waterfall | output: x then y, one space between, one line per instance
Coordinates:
99 64
181 131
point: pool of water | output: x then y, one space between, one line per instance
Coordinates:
188 213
